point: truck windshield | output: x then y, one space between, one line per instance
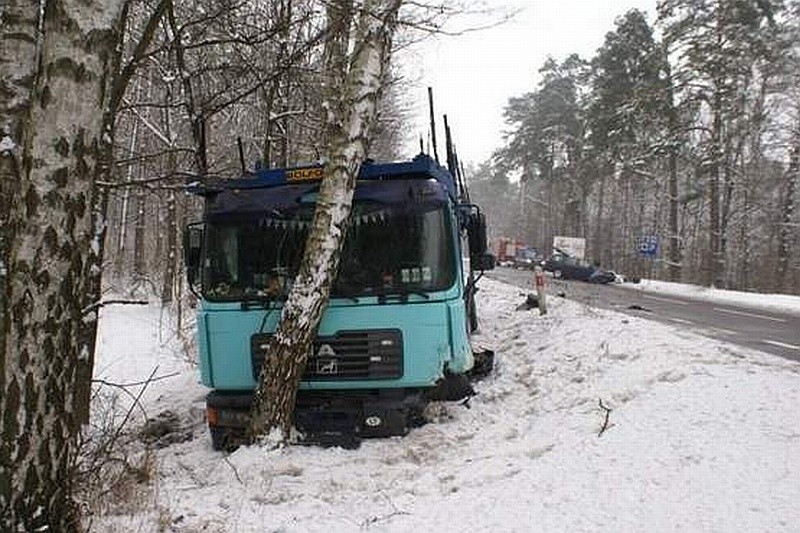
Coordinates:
389 249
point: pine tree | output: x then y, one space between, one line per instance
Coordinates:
628 117
545 147
718 45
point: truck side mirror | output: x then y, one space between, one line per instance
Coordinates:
192 252
482 262
475 223
476 232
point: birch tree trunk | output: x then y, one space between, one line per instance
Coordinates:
138 234
170 226
601 240
716 261
171 229
196 118
674 263
51 149
787 218
675 254
355 83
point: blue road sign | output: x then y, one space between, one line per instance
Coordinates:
648 245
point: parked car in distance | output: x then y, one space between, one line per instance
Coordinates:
566 267
602 276
563 266
527 257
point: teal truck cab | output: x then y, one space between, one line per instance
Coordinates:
395 333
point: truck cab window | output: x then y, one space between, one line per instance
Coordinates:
388 249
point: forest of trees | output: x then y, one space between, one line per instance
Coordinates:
688 129
683 129
210 88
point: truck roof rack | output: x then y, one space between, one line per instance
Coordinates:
422 166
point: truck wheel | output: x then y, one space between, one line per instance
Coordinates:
416 417
557 274
218 438
225 439
452 388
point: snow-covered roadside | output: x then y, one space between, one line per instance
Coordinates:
702 437
138 343
785 303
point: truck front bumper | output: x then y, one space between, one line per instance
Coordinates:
331 417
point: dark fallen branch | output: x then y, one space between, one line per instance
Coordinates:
380 518
97 305
135 398
106 447
135 383
375 519
605 422
235 472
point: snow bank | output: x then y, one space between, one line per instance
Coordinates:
702 436
785 303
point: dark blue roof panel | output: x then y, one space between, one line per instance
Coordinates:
422 166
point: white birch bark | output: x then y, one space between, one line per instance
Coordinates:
56 54
351 107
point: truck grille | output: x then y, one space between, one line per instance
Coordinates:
367 354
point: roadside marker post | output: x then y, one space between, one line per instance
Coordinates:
541 292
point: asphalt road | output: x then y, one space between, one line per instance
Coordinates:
773 332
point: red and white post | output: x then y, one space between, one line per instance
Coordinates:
540 281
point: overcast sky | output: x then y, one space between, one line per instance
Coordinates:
474 74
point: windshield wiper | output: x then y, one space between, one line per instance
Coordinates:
402 295
353 298
259 301
350 290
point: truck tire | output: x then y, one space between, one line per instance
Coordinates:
225 439
452 388
219 437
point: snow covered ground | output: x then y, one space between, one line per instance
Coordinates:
769 302
701 436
